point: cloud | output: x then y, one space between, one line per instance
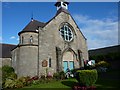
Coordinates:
99 33
12 37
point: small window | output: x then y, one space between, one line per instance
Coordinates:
31 39
49 62
21 40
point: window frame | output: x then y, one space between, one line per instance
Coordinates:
31 39
65 32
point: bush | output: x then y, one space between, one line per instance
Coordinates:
62 75
13 83
18 84
86 77
25 80
56 76
49 77
35 82
12 76
42 77
103 64
8 72
7 69
59 75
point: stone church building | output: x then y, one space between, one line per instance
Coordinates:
52 46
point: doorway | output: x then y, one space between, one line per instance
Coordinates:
68 61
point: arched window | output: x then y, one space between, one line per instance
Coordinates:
66 33
21 39
31 39
49 62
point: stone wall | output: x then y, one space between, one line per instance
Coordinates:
5 61
25 56
25 38
49 39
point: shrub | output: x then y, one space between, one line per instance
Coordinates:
7 69
35 82
59 75
49 77
42 77
12 76
25 80
8 72
13 83
103 64
9 83
86 77
62 75
56 76
18 84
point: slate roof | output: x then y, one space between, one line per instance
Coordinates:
105 50
32 26
5 50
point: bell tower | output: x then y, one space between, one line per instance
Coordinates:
61 4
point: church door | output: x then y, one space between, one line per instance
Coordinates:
65 65
68 61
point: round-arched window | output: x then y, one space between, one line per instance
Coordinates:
66 33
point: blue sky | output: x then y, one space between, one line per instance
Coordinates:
98 21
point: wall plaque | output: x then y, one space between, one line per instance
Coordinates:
44 63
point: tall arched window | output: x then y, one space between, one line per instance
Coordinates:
31 39
21 39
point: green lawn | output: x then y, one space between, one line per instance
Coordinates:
63 84
105 81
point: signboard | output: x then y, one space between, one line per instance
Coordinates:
44 63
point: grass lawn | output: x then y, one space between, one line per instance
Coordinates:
63 84
105 81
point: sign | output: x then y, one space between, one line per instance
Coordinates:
44 63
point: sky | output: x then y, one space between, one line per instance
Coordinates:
98 21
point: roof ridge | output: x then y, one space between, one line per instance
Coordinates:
38 21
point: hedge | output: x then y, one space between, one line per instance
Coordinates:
86 77
8 72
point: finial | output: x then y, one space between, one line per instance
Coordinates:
32 16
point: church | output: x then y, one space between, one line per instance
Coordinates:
51 46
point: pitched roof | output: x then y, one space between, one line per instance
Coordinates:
6 50
32 26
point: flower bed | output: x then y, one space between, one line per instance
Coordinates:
84 88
